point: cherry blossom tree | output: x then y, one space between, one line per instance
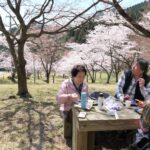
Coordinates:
131 23
65 64
6 61
49 49
144 42
107 47
40 15
33 66
27 15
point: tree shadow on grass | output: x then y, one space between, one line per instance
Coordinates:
33 125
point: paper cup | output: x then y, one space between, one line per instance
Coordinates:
89 104
127 103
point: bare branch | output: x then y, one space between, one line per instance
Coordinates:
130 19
124 24
42 11
18 4
2 27
63 27
16 11
80 14
10 41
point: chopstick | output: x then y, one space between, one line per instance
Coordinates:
116 115
138 100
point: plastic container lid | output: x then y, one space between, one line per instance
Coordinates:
101 94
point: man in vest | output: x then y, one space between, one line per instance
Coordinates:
135 83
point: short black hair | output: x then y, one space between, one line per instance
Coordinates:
76 69
144 64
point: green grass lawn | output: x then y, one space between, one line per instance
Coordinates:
43 91
36 123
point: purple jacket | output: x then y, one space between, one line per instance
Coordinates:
67 88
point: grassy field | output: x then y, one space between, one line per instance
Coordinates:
35 124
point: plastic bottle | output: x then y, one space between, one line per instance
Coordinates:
83 100
100 100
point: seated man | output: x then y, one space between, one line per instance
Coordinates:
135 83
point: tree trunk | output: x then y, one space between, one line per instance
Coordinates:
38 75
47 77
108 78
117 74
13 74
21 72
34 77
54 77
34 71
95 76
22 80
93 80
100 75
87 78
91 75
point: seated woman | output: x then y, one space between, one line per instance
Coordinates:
70 93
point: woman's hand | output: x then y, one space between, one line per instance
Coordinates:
74 97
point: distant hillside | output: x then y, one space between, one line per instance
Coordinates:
136 10
79 35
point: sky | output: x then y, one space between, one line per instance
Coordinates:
128 3
125 3
85 3
76 4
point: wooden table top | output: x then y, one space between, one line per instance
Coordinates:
97 120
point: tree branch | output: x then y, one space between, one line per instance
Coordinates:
63 27
9 40
43 7
16 11
130 19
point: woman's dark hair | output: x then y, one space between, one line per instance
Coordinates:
144 65
76 69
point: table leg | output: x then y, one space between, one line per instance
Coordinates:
91 140
79 139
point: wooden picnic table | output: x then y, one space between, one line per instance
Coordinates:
96 120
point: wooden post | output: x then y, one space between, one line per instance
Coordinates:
79 140
91 141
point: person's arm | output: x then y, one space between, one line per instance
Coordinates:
119 90
145 91
64 97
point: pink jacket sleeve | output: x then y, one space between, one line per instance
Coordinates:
62 96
